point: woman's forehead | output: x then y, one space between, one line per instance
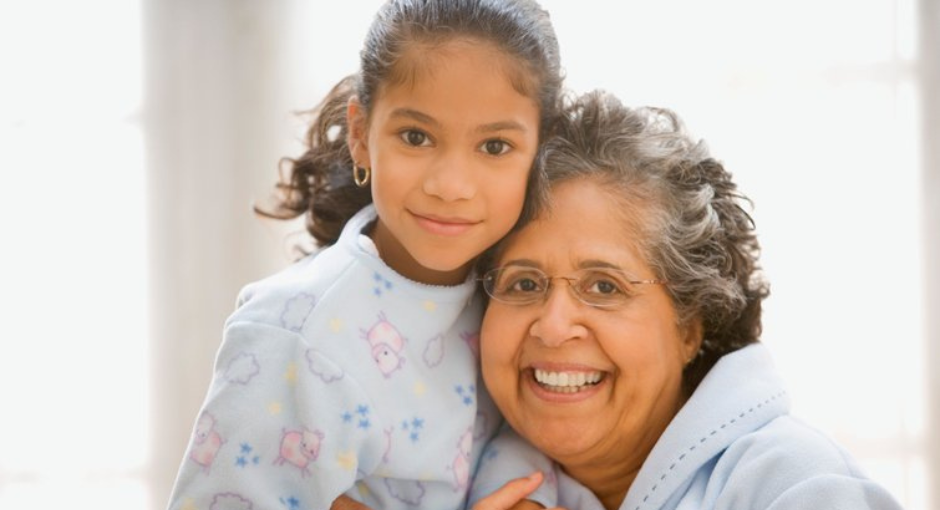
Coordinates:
584 222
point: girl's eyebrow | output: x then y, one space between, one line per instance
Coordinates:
409 113
502 125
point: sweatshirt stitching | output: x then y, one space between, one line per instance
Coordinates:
691 448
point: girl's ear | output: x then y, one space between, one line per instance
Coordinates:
357 133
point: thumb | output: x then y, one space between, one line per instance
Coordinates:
511 493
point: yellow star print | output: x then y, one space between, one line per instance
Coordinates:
291 374
274 408
346 460
336 325
420 388
430 306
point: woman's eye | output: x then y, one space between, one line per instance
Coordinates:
602 286
496 147
523 285
414 138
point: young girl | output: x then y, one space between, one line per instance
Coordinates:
355 370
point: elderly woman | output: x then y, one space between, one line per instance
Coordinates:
622 334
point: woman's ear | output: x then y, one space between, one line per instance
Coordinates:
357 137
692 340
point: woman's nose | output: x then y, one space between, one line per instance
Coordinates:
451 178
560 317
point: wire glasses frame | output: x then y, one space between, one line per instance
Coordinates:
600 287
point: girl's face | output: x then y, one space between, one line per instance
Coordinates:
450 147
593 388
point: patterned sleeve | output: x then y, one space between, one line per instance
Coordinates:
278 428
506 457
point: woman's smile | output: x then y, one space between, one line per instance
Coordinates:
563 385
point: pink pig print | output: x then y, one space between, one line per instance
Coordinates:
206 442
461 464
300 449
387 344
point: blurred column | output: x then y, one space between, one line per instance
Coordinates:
929 60
214 132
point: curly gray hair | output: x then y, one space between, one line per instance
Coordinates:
694 232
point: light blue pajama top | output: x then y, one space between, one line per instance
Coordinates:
338 375
734 446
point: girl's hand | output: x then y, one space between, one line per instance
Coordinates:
512 495
347 503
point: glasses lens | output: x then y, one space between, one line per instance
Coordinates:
602 287
518 285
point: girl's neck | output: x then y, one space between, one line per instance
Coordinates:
394 254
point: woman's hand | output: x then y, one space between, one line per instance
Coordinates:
347 503
512 495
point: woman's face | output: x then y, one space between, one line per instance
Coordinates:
635 352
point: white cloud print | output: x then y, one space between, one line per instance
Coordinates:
230 501
296 310
434 351
242 368
322 367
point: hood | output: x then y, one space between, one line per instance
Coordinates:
740 394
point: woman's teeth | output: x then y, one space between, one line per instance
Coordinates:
567 382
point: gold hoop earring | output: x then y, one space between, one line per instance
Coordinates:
361 175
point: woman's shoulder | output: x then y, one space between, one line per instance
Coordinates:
790 464
787 443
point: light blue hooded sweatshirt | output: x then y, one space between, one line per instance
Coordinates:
734 446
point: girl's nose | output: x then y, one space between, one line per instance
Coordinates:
452 178
560 317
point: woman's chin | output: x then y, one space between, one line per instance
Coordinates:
560 422
562 440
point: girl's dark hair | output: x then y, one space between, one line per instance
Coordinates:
319 183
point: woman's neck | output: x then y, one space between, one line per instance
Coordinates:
611 473
609 484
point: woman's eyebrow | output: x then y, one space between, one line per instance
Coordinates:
521 262
597 263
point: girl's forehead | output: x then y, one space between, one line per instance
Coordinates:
421 60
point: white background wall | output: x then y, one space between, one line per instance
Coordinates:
134 137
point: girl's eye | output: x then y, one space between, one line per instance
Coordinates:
415 138
496 147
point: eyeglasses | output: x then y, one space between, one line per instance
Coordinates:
598 287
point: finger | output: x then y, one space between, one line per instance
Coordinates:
511 493
347 503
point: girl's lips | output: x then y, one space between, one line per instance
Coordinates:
444 226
